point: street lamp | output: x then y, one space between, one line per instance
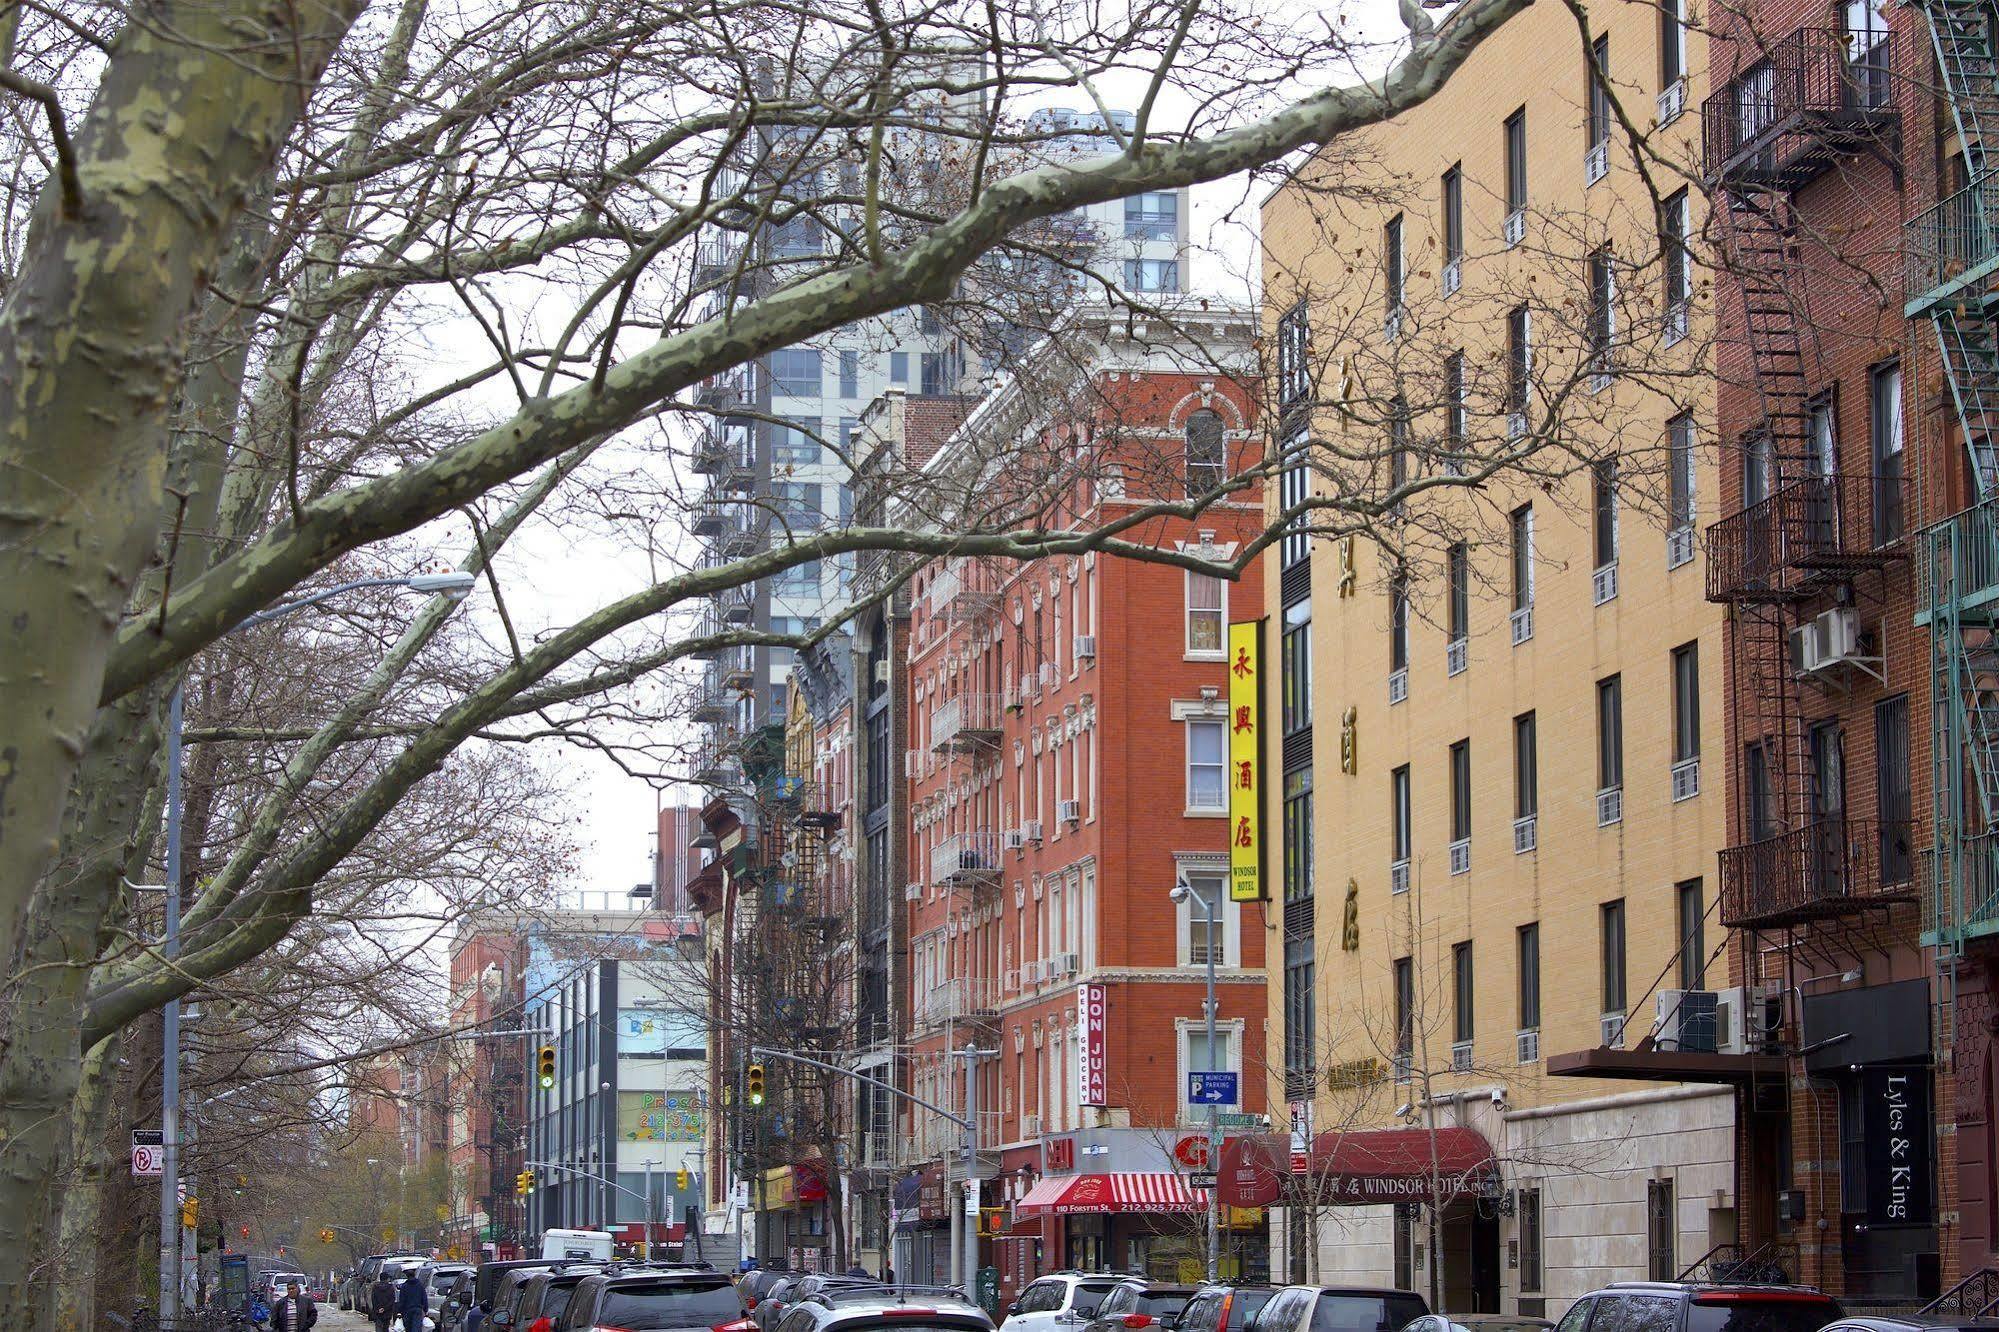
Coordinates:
1183 894
455 584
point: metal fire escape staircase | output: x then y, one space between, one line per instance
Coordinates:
1953 258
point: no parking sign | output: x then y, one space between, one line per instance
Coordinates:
148 1153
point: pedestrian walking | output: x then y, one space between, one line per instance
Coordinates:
294 1312
382 1302
412 1302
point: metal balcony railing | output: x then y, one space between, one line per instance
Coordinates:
1815 95
1777 548
960 999
965 857
1953 244
735 603
1958 559
965 720
726 450
964 590
716 765
1828 868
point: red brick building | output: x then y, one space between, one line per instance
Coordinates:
487 1121
1066 767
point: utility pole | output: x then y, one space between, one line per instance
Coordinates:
170 1035
972 1055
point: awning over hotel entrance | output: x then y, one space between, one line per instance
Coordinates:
1402 1165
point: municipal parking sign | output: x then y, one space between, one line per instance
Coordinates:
148 1153
1211 1088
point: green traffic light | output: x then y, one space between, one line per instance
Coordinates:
547 1081
756 1098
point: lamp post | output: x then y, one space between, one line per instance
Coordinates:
1182 893
456 585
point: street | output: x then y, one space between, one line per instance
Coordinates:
333 1319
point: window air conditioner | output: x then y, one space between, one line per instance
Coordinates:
1031 831
1062 964
1839 635
1030 1126
1012 839
1746 1019
1086 647
1685 1021
881 672
1527 1046
1069 811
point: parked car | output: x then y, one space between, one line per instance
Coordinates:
1914 1322
1479 1323
354 1290
653 1298
548 1294
771 1306
503 1310
437 1279
487 1276
1059 1300
1137 1302
457 1298
1224 1308
1698 1306
858 1308
755 1285
1340 1309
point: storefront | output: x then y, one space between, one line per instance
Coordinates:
791 1220
1148 1222
922 1228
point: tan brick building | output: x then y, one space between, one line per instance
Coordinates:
1498 791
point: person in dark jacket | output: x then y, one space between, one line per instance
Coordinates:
475 1318
412 1302
293 1312
382 1302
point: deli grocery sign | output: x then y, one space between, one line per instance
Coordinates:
1093 1049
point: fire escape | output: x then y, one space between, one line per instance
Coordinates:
1953 254
1787 562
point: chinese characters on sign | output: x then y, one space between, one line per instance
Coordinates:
1092 1054
1246 761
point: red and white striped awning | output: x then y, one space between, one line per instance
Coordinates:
1126 1191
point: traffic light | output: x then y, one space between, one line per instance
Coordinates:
527 1177
680 1179
244 1231
521 1184
544 1067
755 1087
190 1212
242 1182
992 1221
326 1235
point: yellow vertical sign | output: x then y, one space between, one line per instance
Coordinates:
1246 761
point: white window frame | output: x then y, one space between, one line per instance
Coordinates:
1185 1030
1189 610
1220 724
1186 865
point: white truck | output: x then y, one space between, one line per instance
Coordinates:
580 1244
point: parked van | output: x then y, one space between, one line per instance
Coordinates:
576 1244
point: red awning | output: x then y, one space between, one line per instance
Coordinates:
1134 1191
1402 1164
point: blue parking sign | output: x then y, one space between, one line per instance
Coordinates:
1211 1088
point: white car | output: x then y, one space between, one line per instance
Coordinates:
1060 1302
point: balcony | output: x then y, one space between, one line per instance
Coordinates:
735 603
726 450
1816 96
716 765
966 857
964 722
1953 247
1784 547
966 590
1963 890
960 999
1829 868
711 702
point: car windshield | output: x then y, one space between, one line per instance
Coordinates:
680 1304
555 1299
1090 1297
1789 1313
912 1322
1366 1313
1163 1304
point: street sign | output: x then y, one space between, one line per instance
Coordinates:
1201 1180
1211 1088
1229 1119
148 1153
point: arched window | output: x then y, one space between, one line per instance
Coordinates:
1207 452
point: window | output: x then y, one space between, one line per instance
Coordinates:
1461 790
1398 623
936 374
1456 425
1522 542
1405 1014
1602 311
1603 504
1519 362
1598 75
1892 801
1206 935
1454 214
1202 1059
1526 779
1296 666
1686 702
1610 934
850 374
1461 992
1398 811
1516 161
1660 1230
1758 811
1866 24
1391 264
1527 944
1693 934
1672 42
1610 733
1405 1240
848 425
1152 216
1678 262
1299 1006
1527 1210
1152 274
796 442
1207 600
1297 837
795 371
898 367
1398 448
1207 452
1458 565
1294 374
1680 466
1293 483
797 503
1886 382
1206 762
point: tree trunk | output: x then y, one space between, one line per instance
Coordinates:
77 1237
